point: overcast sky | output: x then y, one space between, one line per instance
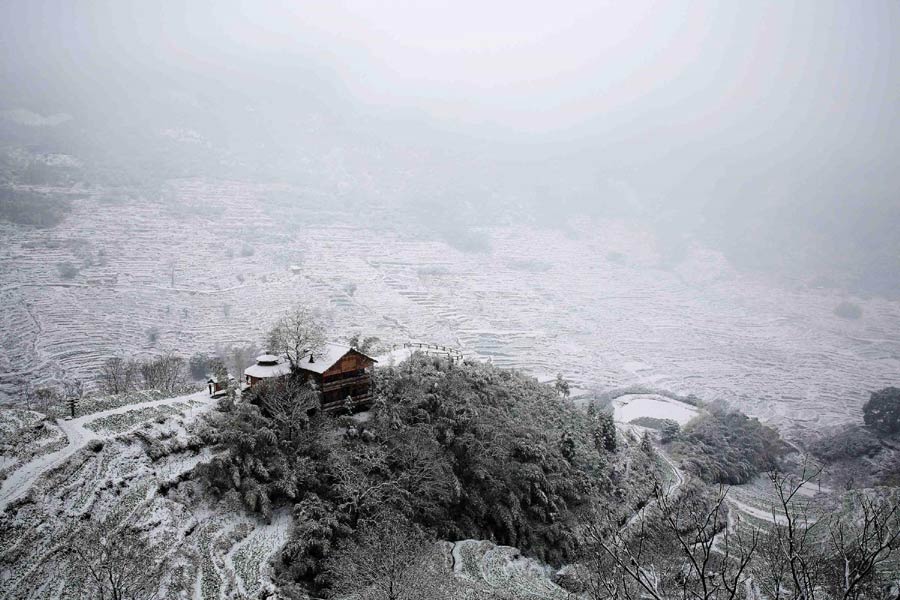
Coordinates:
818 69
790 106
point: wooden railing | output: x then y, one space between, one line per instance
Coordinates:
336 384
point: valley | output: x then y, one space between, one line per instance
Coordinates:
213 264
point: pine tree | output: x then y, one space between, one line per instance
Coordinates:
647 445
605 432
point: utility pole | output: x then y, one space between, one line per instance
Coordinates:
74 391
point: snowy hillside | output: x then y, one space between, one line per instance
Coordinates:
218 262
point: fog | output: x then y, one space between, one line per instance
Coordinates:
767 130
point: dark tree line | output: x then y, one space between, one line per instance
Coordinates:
450 451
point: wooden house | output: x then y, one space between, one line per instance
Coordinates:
339 372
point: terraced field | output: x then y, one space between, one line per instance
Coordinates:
212 266
216 549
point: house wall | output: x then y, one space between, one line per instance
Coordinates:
352 361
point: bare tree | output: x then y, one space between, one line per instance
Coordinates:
114 562
118 375
681 548
561 386
288 402
389 558
165 373
40 398
860 545
297 335
791 561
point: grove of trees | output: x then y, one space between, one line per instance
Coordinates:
449 451
882 411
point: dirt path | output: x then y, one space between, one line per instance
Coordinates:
678 475
20 481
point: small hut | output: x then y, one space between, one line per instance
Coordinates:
267 366
216 384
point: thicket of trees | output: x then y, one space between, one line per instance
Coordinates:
882 411
31 208
112 561
449 451
727 446
119 375
688 545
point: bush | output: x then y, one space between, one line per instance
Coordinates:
29 208
846 443
67 270
848 310
882 411
726 446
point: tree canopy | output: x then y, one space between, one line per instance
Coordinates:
882 411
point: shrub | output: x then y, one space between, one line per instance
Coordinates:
846 443
848 310
29 208
651 422
882 411
67 270
727 446
670 430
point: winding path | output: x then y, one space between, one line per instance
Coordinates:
22 479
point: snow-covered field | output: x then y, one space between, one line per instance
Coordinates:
200 277
105 472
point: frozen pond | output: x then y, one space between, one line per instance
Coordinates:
633 406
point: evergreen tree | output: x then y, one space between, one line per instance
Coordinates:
882 411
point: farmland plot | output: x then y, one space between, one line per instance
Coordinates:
774 349
110 475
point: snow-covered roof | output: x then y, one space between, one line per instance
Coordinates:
213 378
327 357
268 365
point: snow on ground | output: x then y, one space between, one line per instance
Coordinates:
503 568
107 473
24 436
629 407
394 357
78 433
776 351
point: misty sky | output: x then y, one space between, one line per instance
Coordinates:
769 72
786 108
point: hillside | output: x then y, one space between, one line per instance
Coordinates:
596 303
145 466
